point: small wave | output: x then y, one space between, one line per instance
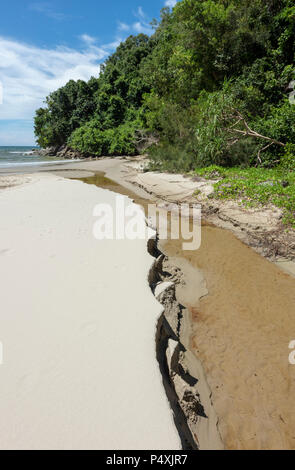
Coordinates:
20 164
22 153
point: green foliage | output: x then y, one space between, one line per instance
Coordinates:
90 139
67 108
173 158
255 187
200 133
288 158
212 144
104 112
212 70
43 129
213 57
203 42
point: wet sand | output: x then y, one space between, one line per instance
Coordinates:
241 333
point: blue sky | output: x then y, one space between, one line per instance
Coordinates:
45 44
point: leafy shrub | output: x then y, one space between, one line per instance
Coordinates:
90 139
255 187
167 157
288 158
200 135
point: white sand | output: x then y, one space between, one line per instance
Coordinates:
77 323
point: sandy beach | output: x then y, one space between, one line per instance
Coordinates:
78 325
237 318
242 327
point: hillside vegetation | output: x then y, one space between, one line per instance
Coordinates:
209 87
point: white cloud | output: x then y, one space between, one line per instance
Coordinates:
88 39
28 73
141 13
144 28
123 26
142 24
170 3
112 46
45 8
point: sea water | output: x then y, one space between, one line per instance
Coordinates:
24 156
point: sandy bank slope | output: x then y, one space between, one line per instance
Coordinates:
77 323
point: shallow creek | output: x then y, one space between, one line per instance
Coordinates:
242 320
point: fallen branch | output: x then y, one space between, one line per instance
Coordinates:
143 140
262 150
248 132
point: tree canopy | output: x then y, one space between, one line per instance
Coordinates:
213 71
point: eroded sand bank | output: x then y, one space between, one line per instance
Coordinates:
241 331
78 324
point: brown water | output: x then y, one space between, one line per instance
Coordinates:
241 332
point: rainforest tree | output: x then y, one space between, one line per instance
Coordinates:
210 86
